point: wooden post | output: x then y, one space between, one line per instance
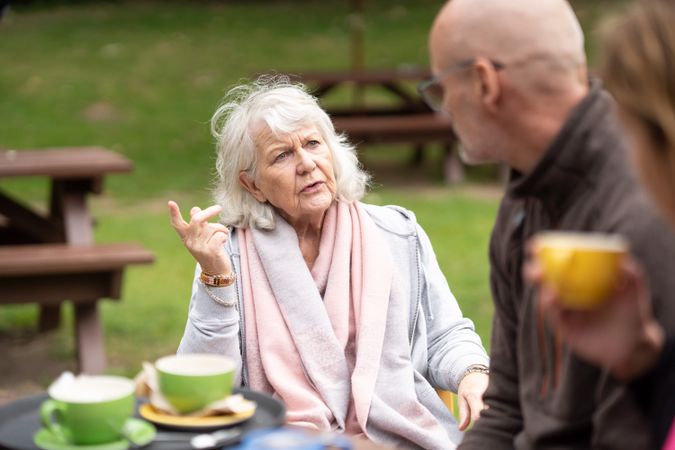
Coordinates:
357 25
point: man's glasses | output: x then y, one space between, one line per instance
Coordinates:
431 90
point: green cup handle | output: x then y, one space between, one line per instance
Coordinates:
50 412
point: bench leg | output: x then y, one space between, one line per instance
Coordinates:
453 167
89 338
49 317
418 155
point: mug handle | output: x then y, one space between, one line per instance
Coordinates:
50 412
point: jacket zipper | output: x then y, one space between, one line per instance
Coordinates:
242 345
418 300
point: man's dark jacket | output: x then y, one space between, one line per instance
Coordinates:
540 395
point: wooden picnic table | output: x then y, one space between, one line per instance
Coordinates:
396 82
47 258
405 119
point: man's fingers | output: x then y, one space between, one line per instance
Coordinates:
548 298
632 277
531 248
532 272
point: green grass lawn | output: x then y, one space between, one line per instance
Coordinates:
143 78
148 322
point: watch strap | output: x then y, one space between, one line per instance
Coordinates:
217 280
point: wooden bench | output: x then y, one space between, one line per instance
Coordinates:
49 274
416 128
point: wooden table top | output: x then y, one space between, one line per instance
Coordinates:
70 162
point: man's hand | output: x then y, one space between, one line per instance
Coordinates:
620 335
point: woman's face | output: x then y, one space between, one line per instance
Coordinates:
294 174
655 166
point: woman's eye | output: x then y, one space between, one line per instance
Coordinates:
281 156
313 143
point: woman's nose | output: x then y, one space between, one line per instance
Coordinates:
306 161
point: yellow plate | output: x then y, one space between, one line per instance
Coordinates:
150 413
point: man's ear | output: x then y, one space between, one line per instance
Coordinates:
251 187
487 84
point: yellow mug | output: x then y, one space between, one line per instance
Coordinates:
583 268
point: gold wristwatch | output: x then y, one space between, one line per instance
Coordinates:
217 280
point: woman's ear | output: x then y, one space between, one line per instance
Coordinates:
487 84
249 184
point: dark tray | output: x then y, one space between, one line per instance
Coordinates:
21 419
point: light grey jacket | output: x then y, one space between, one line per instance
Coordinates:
444 343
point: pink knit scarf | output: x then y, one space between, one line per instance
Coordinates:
317 345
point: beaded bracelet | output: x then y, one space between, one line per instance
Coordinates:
220 301
477 368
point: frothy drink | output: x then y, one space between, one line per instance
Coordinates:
87 389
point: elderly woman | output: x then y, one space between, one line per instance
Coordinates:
336 307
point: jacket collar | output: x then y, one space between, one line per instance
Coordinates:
565 165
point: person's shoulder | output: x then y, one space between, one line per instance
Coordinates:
392 218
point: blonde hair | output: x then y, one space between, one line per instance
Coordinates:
639 66
284 107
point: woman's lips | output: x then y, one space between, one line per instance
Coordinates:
312 187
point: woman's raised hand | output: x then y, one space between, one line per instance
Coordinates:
203 239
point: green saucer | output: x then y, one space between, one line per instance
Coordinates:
140 431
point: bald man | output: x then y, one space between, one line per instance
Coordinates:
512 75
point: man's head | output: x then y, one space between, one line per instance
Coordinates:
524 70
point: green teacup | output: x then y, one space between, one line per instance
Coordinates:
189 382
89 410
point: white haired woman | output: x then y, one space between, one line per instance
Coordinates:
337 307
